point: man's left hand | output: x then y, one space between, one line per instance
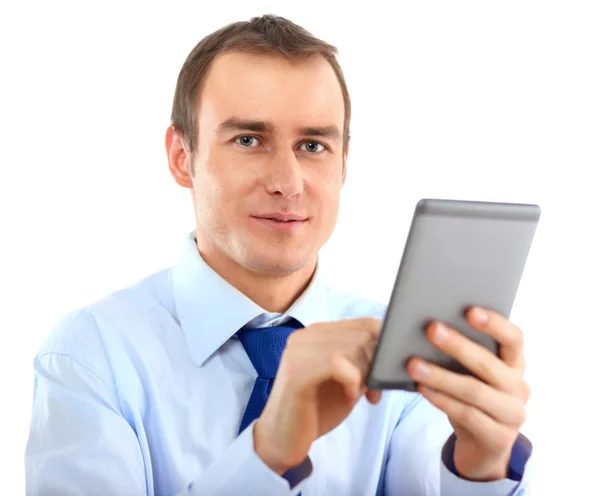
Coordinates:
488 410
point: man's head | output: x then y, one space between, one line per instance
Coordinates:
260 130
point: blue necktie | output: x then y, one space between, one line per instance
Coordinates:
264 347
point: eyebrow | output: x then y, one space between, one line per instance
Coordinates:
258 126
331 132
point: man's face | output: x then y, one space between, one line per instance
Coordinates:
270 162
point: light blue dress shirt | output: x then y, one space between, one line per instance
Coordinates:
142 393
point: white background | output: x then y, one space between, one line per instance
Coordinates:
472 100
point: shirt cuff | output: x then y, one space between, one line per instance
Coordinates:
520 454
451 485
294 477
241 471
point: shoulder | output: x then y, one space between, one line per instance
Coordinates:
86 333
348 305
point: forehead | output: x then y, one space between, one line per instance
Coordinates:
302 92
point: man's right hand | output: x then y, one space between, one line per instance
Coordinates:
320 378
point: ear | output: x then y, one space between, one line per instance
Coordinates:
179 157
344 161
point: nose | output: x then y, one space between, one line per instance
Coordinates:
284 175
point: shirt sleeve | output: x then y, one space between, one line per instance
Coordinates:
240 470
81 443
419 445
516 482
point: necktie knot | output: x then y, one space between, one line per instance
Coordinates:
264 347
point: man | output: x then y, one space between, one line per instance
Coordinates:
238 371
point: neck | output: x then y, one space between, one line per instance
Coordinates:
273 292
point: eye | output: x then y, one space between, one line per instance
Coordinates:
247 141
312 146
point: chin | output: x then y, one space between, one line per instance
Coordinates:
277 260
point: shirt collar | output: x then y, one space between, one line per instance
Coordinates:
210 310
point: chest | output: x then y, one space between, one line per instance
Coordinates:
186 417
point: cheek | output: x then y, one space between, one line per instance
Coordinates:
328 191
222 187
207 187
208 192
331 184
333 206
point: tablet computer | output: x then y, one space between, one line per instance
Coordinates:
458 254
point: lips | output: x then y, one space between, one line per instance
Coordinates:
282 217
282 222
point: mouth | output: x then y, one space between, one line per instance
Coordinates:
281 222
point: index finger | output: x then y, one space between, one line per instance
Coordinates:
508 335
368 324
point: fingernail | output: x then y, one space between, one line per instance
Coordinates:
479 315
441 333
421 370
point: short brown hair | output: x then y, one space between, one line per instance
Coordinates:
268 34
